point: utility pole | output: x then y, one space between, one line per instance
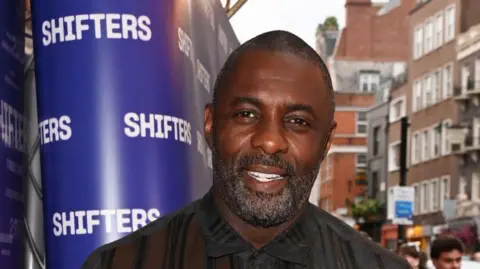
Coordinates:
403 167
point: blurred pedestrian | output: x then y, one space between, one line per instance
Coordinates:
476 256
446 252
415 258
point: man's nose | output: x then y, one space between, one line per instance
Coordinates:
270 137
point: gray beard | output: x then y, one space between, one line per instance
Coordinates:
257 208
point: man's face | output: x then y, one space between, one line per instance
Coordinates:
269 132
448 260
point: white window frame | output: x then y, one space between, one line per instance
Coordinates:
424 204
392 167
370 78
475 187
427 91
450 14
426 145
417 89
361 123
417 199
437 86
446 146
428 35
438 29
418 42
445 192
434 195
416 147
447 81
360 165
403 108
433 133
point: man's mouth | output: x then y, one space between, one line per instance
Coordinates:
264 177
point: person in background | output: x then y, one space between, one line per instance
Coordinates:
446 252
415 258
410 254
476 256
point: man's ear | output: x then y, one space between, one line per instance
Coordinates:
208 124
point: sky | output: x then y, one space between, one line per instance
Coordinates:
300 17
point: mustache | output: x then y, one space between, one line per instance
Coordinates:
266 160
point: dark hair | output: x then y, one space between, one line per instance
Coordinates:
445 244
278 41
411 251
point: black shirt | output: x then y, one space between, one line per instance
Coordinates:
199 237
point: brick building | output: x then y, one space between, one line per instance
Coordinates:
371 48
427 98
343 169
466 145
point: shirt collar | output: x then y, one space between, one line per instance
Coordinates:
293 245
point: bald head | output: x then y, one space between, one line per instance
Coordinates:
276 41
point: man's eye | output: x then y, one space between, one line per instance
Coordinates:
298 121
245 114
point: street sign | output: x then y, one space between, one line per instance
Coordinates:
403 205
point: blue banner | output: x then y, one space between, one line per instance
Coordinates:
121 87
12 139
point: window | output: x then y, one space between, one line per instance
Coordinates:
475 187
418 42
436 85
369 81
416 148
361 122
426 146
428 98
428 36
417 96
450 24
376 140
361 161
434 199
437 141
446 149
425 197
418 199
394 156
447 81
438 38
444 190
398 109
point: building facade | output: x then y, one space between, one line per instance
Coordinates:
432 169
342 173
465 135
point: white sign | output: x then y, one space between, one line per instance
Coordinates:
401 205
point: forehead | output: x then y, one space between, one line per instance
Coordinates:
279 73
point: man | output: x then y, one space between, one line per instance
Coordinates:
269 127
447 252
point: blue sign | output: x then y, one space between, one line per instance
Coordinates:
12 140
404 209
121 88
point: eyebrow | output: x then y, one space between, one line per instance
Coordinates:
256 102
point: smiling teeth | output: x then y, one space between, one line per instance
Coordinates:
264 177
